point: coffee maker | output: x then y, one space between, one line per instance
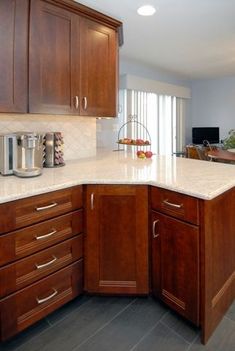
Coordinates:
30 154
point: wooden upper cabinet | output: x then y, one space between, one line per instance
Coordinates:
53 59
99 70
72 62
13 55
117 239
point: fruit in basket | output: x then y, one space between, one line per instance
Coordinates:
139 142
148 154
147 142
127 141
140 154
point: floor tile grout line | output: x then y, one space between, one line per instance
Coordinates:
68 314
48 321
50 325
148 332
103 326
230 319
192 343
175 332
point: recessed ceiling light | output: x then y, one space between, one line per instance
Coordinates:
146 10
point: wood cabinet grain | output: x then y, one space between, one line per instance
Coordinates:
177 205
24 272
73 63
13 55
53 59
58 57
116 255
25 307
27 241
24 212
99 69
41 256
175 259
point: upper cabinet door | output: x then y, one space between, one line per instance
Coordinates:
13 55
53 59
99 70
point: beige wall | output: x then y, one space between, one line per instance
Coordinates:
79 132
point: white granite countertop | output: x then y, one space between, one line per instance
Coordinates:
201 179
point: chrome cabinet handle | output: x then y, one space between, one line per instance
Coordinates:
154 229
166 202
40 301
40 266
46 207
85 103
92 201
76 98
40 237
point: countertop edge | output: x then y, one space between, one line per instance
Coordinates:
69 184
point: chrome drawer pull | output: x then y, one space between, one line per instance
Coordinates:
46 207
154 229
92 201
46 235
166 202
39 266
85 103
76 102
39 301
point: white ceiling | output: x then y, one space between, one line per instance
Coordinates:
194 38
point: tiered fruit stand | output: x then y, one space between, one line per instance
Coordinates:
141 137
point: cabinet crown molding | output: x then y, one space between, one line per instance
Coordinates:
88 12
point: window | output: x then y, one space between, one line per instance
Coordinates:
162 115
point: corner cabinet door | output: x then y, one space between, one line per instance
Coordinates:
99 70
116 247
53 59
13 55
175 264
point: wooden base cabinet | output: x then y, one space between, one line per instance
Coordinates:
41 257
116 254
20 310
175 264
193 245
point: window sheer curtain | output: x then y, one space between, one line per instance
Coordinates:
162 115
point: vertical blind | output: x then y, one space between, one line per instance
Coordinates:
162 115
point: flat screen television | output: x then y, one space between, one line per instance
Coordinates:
200 134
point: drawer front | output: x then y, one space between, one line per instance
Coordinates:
28 270
29 240
20 310
175 204
22 213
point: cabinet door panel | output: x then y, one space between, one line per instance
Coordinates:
117 239
99 70
176 245
53 59
13 55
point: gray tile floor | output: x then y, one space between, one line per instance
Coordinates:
120 324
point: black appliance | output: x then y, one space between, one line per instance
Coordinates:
202 134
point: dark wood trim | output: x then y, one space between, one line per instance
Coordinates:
86 11
217 262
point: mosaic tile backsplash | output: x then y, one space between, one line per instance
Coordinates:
79 132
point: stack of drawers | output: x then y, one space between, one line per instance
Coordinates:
41 257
